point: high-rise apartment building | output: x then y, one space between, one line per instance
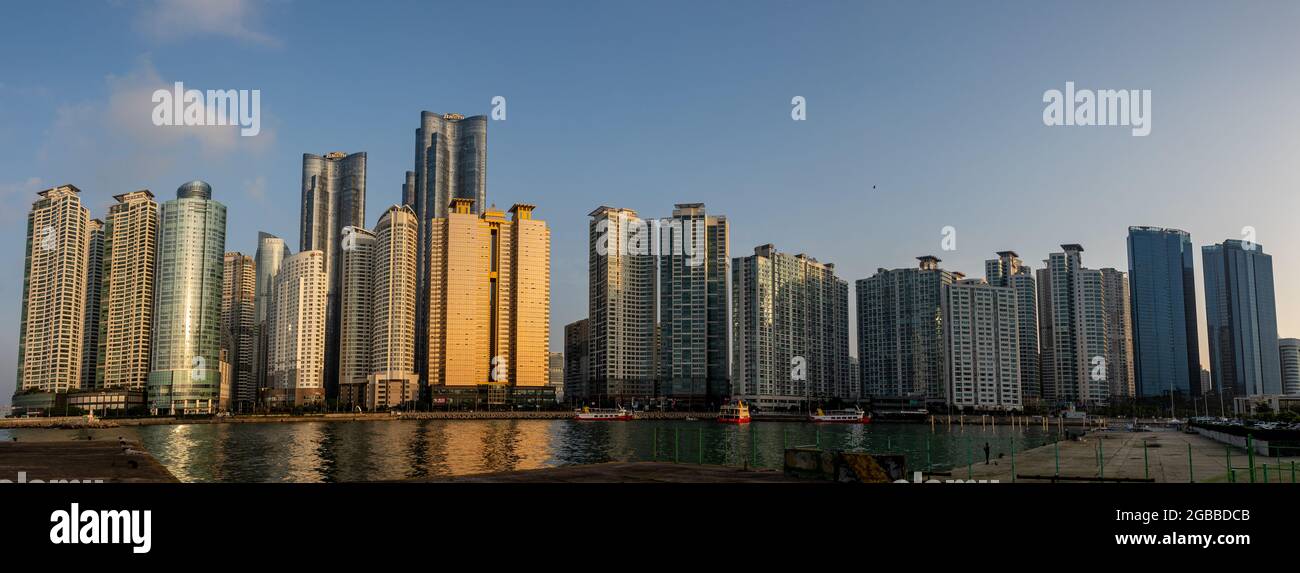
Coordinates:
1008 271
1289 358
1119 333
621 306
394 378
900 332
489 305
356 315
577 362
297 329
185 376
90 328
694 358
1162 302
333 197
1241 319
127 292
271 253
1077 364
790 328
50 333
238 330
555 377
981 331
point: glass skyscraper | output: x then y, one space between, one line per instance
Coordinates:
186 376
1241 318
1162 303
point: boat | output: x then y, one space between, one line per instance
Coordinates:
735 412
853 415
603 414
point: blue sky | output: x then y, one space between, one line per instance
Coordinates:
920 115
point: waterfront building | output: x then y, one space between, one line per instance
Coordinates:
1162 299
271 253
981 330
1289 358
577 362
50 330
1072 330
127 293
489 306
1119 332
297 330
394 377
621 305
790 328
1241 319
90 326
356 316
1009 271
238 332
900 332
185 376
333 197
694 358
555 375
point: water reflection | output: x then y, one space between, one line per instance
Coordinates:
346 451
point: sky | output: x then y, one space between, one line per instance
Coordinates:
919 116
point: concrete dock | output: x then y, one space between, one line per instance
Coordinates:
1166 456
79 461
630 472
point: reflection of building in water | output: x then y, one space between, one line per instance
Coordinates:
484 446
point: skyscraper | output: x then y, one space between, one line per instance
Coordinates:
90 328
333 197
983 348
185 376
621 306
1119 333
271 253
489 306
1289 357
1162 295
394 377
450 163
1008 271
1241 319
555 377
50 333
900 331
356 315
790 316
127 292
1072 330
238 332
297 329
577 361
693 324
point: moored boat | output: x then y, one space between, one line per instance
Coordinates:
603 414
853 415
734 412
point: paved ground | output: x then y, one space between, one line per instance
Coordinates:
1162 456
630 472
82 460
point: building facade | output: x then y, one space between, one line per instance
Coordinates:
577 362
185 376
1009 271
1119 333
982 334
693 338
271 253
297 329
50 334
238 329
621 306
1072 331
1241 319
394 379
1289 358
900 332
1162 302
333 197
790 329
127 292
555 375
356 316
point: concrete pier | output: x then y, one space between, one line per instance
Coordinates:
79 461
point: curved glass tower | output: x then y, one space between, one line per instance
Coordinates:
186 377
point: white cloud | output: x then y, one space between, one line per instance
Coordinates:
256 188
169 20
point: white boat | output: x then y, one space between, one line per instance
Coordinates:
853 415
603 414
